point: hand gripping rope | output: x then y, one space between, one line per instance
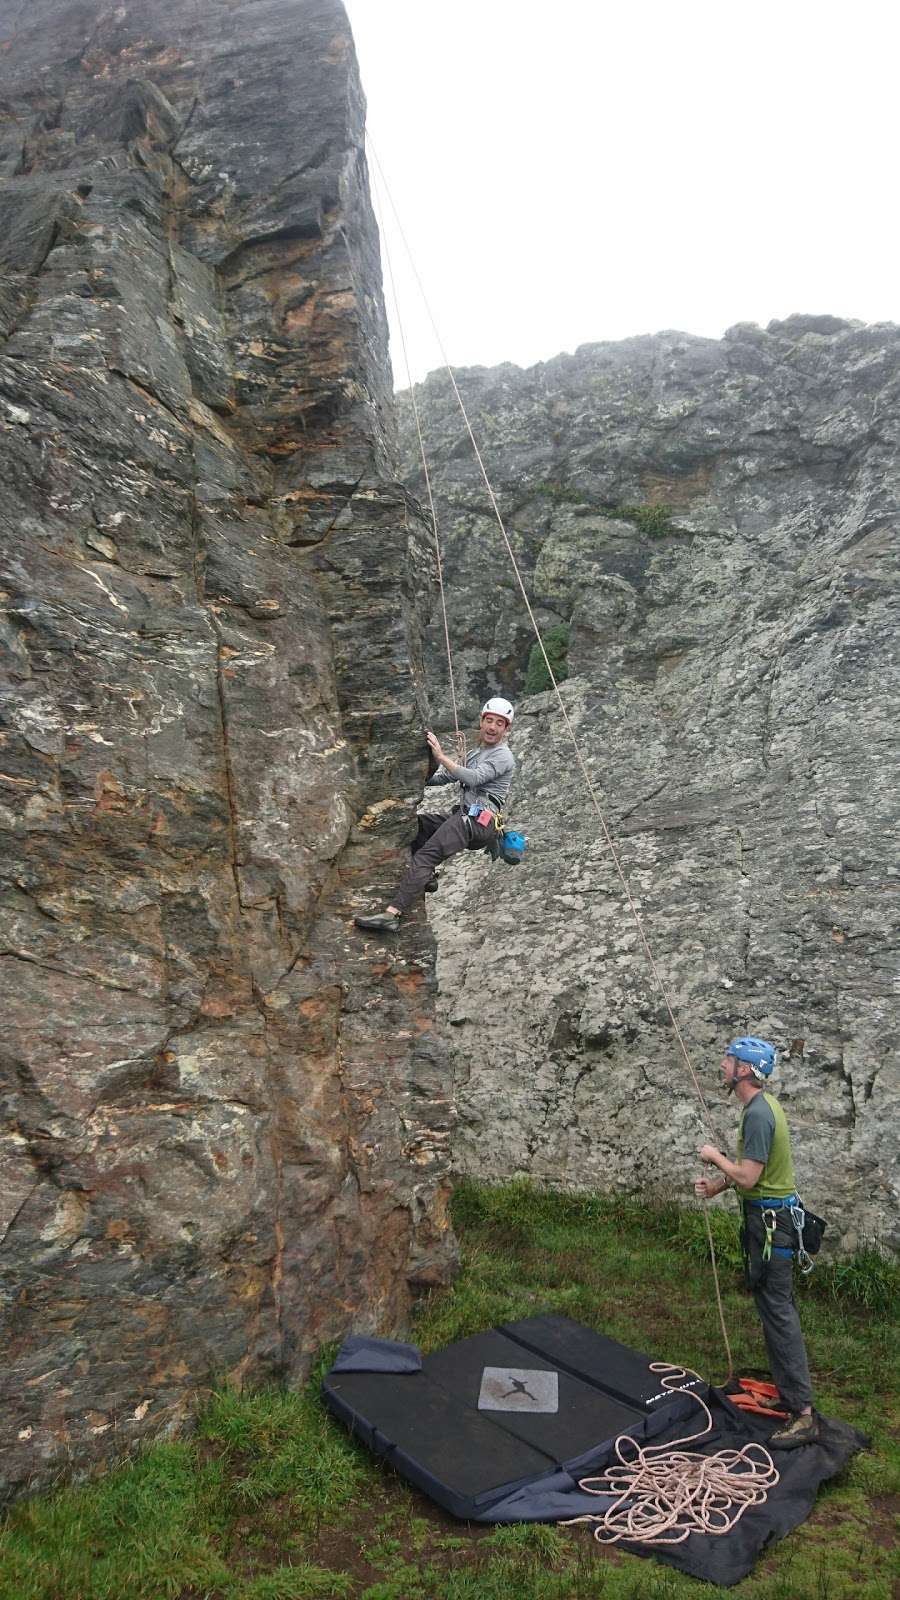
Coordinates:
657 976
664 1493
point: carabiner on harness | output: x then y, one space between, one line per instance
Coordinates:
804 1259
770 1220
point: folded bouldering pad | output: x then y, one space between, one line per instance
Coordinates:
505 1411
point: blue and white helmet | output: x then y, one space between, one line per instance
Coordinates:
760 1056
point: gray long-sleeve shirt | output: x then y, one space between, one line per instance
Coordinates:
486 777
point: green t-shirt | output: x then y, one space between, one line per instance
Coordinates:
763 1136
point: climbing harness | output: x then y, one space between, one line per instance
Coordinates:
664 1493
506 844
807 1226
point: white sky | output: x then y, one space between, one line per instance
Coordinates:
575 170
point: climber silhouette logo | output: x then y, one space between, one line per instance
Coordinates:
518 1389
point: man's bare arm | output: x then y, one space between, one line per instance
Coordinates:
743 1174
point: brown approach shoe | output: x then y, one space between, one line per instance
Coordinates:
381 922
797 1431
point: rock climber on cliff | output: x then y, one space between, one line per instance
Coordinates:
485 779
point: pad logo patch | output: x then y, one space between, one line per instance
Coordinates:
518 1389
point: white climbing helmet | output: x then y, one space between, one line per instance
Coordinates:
498 708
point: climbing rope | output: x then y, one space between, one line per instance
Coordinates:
459 737
664 1493
657 976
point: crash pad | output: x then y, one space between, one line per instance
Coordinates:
505 1409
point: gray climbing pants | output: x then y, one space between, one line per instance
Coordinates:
438 837
773 1293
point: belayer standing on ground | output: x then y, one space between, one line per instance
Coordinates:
485 780
764 1176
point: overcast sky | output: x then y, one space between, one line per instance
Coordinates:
576 170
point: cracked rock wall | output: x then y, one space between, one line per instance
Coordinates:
734 688
223 1120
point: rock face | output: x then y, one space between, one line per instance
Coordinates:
717 523
224 1116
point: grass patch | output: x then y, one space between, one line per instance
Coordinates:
275 1443
651 519
270 1500
556 643
151 1529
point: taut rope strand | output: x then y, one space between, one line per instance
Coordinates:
578 756
460 743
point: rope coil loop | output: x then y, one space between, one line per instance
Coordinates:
664 1493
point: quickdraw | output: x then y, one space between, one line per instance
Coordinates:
804 1259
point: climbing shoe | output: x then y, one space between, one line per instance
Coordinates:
380 922
432 885
795 1432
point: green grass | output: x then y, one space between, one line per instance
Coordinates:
556 643
277 1443
271 1500
653 518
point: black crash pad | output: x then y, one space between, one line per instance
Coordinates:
468 1451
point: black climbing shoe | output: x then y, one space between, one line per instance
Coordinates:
432 885
380 922
796 1431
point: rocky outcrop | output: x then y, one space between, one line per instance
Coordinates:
716 522
224 1116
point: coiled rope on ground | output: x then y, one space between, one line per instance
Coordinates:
663 1493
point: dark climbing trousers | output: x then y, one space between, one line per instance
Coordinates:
773 1292
437 839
